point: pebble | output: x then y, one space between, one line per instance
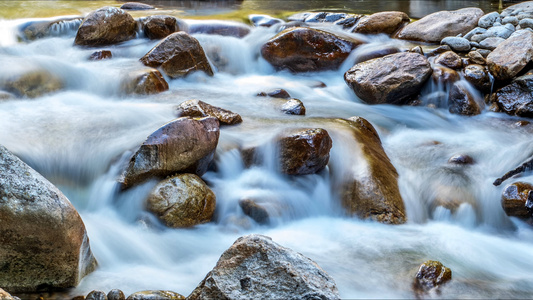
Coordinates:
456 43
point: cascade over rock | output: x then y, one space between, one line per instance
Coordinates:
302 49
185 145
374 192
178 55
255 267
39 230
392 79
436 26
106 26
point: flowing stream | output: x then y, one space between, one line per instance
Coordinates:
79 136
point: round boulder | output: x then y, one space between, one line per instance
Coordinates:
106 26
387 22
449 59
255 267
293 107
145 82
304 152
514 199
116 294
161 26
392 79
302 49
43 241
96 295
185 145
178 55
182 201
456 43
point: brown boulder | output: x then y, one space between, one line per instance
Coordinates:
304 152
255 267
307 50
479 77
442 74
185 145
43 242
431 275
178 55
449 59
145 82
197 108
462 101
514 199
512 55
373 193
106 26
182 201
161 26
516 98
387 22
436 26
390 79
293 107
277 93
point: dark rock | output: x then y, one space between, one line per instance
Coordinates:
233 29
101 54
182 201
197 108
106 26
516 98
307 50
430 276
512 55
373 193
96 295
450 59
461 159
387 22
462 101
277 93
145 82
293 107
156 295
178 55
390 79
255 211
514 198
185 145
161 26
255 267
436 26
116 294
479 77
40 230
136 6
304 152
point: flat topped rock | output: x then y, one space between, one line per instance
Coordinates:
512 55
436 26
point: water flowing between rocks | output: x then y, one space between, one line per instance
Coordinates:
79 136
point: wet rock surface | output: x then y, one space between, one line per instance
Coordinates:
185 145
516 98
106 26
293 107
392 79
255 267
145 82
178 55
387 22
514 199
373 193
96 295
479 77
304 151
449 59
255 210
431 276
462 101
100 55
197 108
161 26
36 215
307 50
434 27
116 294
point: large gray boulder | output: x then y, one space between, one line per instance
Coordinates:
185 145
393 79
370 188
255 267
43 242
178 55
512 55
302 49
436 26
182 201
106 26
516 98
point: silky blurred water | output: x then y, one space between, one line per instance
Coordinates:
80 136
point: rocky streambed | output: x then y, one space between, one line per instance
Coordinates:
367 143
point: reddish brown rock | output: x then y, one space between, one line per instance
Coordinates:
106 26
449 59
304 152
145 82
161 26
444 75
178 55
307 50
100 55
387 22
